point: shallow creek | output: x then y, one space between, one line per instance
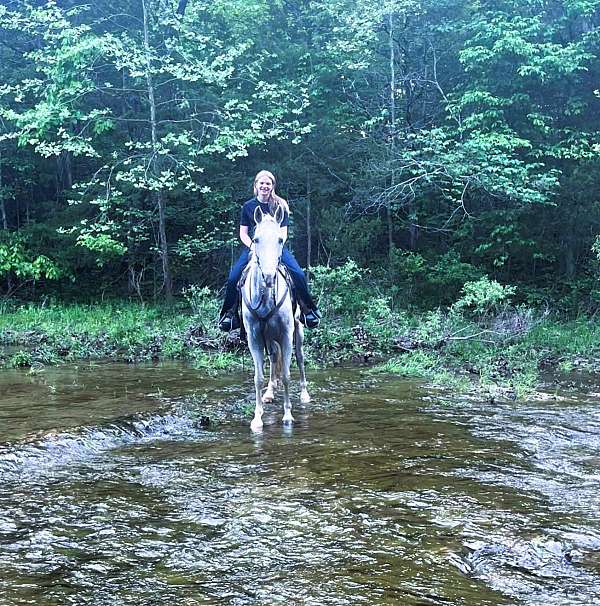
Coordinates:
114 491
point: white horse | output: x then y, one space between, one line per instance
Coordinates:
268 317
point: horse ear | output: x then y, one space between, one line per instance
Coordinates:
279 215
258 215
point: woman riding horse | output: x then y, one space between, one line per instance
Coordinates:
268 201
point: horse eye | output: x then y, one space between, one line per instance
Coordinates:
255 240
280 240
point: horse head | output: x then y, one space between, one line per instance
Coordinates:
267 244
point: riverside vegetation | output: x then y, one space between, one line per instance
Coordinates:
482 342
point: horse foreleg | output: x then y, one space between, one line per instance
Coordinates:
299 340
286 359
269 394
257 424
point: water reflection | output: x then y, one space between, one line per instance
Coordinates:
381 493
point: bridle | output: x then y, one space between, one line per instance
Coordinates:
263 319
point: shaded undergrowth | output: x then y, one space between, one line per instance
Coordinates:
32 334
502 351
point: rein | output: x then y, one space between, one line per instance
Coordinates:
262 320
258 280
254 310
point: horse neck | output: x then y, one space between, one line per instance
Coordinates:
255 284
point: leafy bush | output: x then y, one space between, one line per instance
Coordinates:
426 281
379 322
596 247
21 359
198 298
448 275
103 245
173 347
204 305
340 289
433 327
408 271
484 296
214 361
18 261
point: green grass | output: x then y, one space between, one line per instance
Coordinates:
418 364
429 346
113 330
496 362
114 319
573 338
216 360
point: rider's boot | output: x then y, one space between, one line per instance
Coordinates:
311 318
229 321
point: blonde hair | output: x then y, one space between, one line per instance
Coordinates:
274 199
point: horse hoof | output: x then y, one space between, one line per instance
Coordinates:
304 398
287 421
256 425
267 399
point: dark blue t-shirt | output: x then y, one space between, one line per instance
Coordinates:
247 216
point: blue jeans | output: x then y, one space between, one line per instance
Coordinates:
287 258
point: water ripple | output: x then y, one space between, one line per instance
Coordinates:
375 496
29 461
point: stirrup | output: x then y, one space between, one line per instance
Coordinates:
311 319
229 322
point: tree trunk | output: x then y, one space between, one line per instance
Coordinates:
570 244
308 223
158 196
133 278
65 173
9 281
2 204
413 229
388 206
181 7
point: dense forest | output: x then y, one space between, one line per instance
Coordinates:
432 143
